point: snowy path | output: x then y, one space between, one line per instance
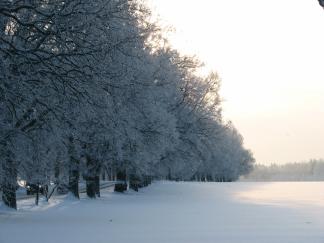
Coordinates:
176 213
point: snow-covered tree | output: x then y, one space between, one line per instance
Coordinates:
88 87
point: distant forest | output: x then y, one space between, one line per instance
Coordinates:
312 170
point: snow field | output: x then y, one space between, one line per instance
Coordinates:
170 212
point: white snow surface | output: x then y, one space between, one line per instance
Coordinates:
171 212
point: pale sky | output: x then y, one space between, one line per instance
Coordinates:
270 56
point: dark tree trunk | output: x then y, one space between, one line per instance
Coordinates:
169 177
209 178
30 189
121 184
74 174
9 195
9 183
144 182
109 175
91 187
121 187
134 186
134 182
97 186
74 183
112 174
57 171
103 175
92 177
148 180
37 195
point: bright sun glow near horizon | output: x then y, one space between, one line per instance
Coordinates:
270 56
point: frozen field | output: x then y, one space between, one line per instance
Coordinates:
170 212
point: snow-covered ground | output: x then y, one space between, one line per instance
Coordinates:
169 212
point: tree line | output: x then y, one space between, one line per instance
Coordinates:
91 88
312 170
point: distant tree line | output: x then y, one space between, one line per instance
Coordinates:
312 170
91 89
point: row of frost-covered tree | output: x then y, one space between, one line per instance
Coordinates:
91 88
